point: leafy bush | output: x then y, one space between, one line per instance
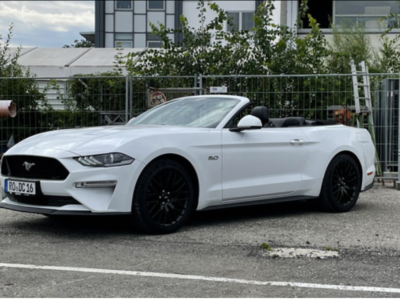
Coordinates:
18 85
268 49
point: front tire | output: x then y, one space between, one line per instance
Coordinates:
164 198
341 185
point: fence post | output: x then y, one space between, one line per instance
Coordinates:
397 184
126 98
201 84
130 96
195 84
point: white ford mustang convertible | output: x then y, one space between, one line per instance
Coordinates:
192 153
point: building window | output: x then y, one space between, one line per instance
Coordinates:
123 4
123 36
322 11
241 21
123 44
154 44
156 4
367 14
123 40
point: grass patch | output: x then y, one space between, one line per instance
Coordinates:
331 249
266 247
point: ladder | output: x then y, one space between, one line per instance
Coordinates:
359 116
367 94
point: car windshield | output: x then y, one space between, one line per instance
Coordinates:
205 112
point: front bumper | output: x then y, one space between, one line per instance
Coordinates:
89 201
55 211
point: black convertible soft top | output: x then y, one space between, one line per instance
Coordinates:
296 121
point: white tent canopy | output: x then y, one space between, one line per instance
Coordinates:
66 62
53 63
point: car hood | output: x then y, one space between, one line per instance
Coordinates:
94 139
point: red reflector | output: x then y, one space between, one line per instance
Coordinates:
370 173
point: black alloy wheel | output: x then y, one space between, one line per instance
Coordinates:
344 182
163 198
341 185
167 197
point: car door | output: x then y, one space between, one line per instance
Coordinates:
261 164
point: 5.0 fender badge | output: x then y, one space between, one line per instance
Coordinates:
213 158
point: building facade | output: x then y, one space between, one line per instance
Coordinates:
127 23
368 14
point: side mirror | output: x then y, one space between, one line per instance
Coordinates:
248 123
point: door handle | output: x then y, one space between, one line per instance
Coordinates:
297 142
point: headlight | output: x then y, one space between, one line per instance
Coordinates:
105 160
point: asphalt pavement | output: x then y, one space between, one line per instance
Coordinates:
218 254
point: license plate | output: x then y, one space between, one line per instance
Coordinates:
20 187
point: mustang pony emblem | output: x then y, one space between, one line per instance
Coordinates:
27 165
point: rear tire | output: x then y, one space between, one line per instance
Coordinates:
164 198
341 185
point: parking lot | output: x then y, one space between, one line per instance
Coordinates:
218 254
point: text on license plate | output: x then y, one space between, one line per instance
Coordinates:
20 187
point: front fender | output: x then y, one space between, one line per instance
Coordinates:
196 148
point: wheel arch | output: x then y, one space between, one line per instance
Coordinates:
352 155
327 200
188 166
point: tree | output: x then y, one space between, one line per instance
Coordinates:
18 85
267 49
389 58
351 42
23 91
80 44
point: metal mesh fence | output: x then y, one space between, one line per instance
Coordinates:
308 96
45 104
327 97
147 92
56 103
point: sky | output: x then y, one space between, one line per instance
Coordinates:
46 24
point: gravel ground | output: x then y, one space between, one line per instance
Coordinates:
222 243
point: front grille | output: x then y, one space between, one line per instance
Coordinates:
41 167
56 201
